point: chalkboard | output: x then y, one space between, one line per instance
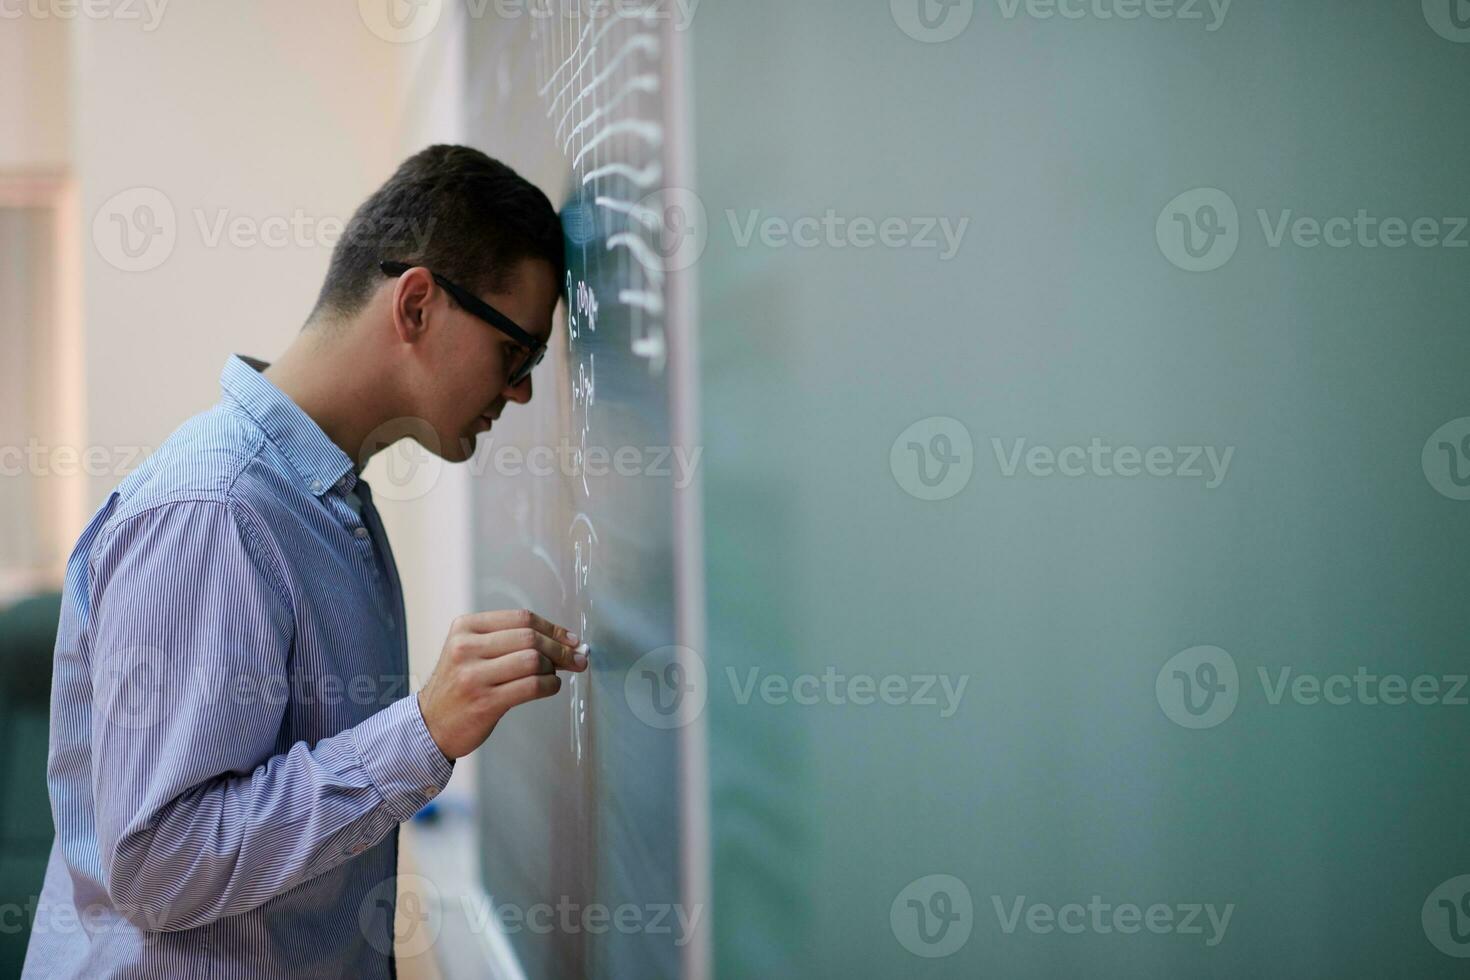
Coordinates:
588 801
858 837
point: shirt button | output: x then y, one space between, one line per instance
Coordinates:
316 486
357 848
361 532
429 791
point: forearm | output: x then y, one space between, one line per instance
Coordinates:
230 844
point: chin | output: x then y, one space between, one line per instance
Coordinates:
459 449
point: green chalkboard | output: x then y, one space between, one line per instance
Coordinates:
1128 454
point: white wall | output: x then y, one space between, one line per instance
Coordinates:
33 95
268 110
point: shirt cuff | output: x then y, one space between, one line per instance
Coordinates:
399 755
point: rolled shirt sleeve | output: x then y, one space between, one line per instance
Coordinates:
200 813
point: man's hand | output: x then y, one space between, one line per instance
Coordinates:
491 662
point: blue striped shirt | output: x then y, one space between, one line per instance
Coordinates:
233 740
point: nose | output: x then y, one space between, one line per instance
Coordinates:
520 393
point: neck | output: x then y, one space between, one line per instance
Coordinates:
332 375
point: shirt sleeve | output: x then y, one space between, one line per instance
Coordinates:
199 812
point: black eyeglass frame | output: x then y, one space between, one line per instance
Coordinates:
475 306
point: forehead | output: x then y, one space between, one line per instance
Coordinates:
531 298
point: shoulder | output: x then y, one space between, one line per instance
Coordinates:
216 468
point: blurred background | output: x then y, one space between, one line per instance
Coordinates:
261 128
1081 387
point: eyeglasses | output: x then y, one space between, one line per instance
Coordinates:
472 304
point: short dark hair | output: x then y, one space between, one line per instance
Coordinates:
467 216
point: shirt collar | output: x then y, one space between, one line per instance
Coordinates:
320 462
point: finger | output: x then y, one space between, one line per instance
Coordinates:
532 688
511 641
514 666
508 619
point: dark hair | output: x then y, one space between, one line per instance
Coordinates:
468 217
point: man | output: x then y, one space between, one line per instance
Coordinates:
232 748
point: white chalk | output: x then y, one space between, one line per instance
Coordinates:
583 649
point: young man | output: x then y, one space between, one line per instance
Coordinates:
232 746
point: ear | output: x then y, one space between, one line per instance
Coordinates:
413 300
